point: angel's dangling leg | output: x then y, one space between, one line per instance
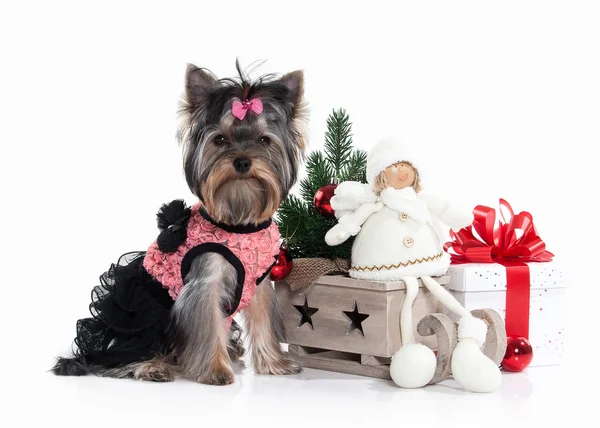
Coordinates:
413 366
470 367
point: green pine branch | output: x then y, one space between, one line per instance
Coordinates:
355 167
301 226
338 140
319 173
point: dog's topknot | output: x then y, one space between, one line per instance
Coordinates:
203 89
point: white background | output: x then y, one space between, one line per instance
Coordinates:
503 97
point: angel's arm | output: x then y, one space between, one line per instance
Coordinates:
350 195
446 212
349 224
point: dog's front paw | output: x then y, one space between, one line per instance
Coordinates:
282 366
218 377
155 371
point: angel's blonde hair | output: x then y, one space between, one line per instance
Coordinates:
381 182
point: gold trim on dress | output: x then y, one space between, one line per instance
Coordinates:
396 266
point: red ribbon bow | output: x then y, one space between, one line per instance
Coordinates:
511 243
514 240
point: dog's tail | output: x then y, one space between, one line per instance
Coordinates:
72 366
77 365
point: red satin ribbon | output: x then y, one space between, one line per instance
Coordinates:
511 243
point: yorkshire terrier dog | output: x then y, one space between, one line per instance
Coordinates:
168 311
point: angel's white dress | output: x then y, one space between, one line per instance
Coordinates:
398 241
398 233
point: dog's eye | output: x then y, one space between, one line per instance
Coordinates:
219 139
265 139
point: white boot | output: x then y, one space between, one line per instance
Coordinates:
470 367
413 366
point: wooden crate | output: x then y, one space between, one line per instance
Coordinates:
356 321
353 326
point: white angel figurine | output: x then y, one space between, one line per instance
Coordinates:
399 237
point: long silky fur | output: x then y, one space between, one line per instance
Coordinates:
205 113
266 331
199 333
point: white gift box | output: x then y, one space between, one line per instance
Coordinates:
483 285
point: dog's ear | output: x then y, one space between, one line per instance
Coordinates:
198 85
294 81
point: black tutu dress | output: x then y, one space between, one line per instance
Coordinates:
129 322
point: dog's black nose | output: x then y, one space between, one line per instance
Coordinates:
242 165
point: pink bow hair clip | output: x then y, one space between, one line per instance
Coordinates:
239 109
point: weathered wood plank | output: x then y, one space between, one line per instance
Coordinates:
333 362
495 339
371 360
442 327
331 327
303 350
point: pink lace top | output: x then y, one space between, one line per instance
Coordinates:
256 249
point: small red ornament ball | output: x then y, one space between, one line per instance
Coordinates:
519 354
322 200
283 265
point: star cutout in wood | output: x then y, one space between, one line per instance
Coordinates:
356 319
306 313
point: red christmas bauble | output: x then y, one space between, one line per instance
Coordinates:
283 265
519 354
322 200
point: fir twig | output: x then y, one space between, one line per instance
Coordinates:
338 140
319 173
355 168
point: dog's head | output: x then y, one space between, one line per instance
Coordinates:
242 142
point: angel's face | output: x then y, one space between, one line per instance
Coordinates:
400 175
